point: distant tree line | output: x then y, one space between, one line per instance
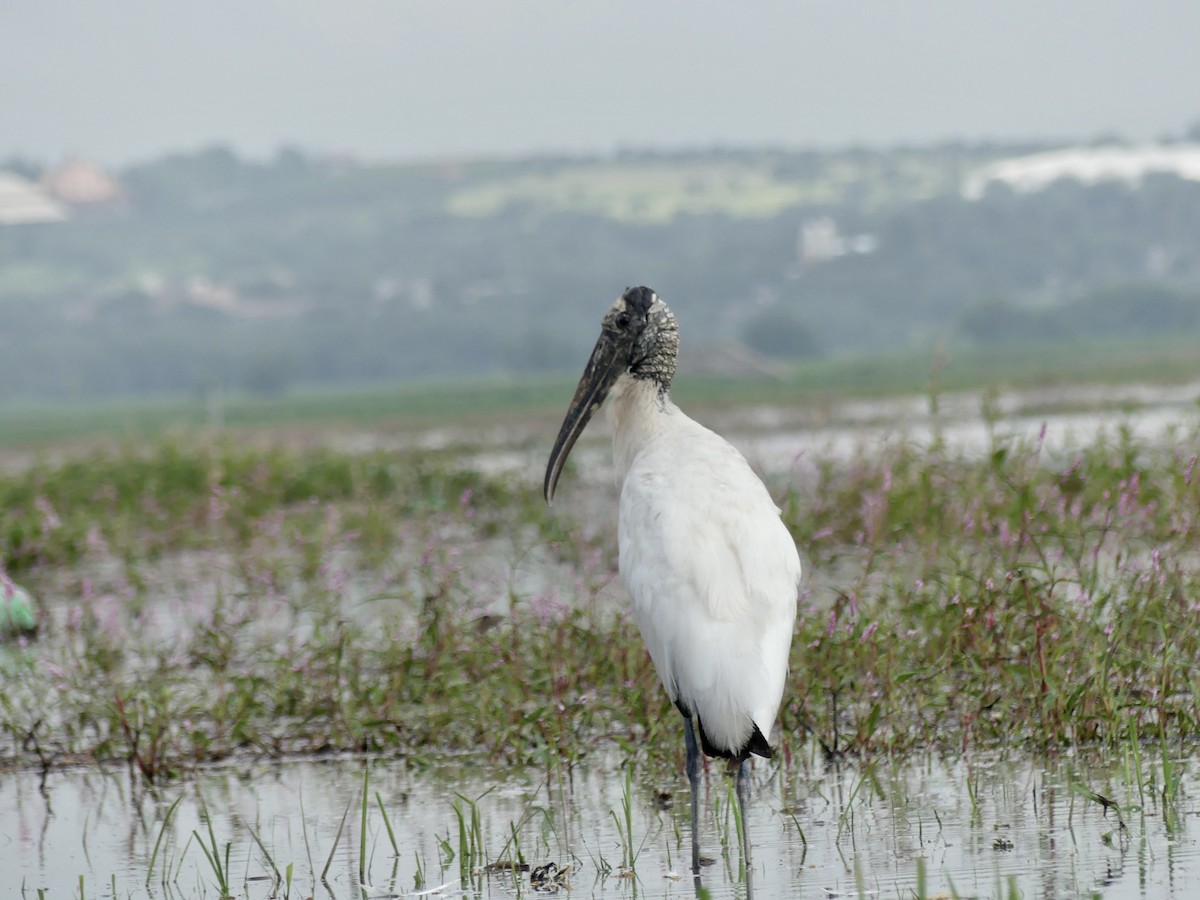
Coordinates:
265 275
1120 311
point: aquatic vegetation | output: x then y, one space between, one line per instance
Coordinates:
1013 599
218 862
920 825
207 600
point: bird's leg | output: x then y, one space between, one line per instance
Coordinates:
743 795
693 774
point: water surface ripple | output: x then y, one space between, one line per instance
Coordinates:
980 827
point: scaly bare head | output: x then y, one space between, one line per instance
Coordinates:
638 335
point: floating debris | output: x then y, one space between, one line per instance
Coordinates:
550 877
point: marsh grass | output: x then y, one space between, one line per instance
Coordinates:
158 841
859 860
1014 599
218 861
472 854
336 840
362 831
624 822
214 599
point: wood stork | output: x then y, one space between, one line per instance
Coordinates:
712 569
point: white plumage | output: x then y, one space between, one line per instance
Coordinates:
711 567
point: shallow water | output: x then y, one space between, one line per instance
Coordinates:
784 441
978 828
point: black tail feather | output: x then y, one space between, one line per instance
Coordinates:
756 744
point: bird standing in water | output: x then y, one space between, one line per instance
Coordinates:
712 569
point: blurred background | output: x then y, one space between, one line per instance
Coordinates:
259 198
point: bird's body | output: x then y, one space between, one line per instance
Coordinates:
711 567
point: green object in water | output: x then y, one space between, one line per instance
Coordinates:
16 610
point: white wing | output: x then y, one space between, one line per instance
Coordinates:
714 573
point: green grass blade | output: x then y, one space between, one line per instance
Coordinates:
158 841
337 837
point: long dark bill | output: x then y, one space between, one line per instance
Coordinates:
601 372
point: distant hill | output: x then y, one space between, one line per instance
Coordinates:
218 271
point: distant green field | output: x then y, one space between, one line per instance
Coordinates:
423 405
657 192
647 193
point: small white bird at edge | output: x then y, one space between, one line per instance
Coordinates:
712 569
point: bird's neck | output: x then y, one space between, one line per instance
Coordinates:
638 410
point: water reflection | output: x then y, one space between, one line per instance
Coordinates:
982 828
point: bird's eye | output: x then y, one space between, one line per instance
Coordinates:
623 321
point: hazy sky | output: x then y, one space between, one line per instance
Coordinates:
124 80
